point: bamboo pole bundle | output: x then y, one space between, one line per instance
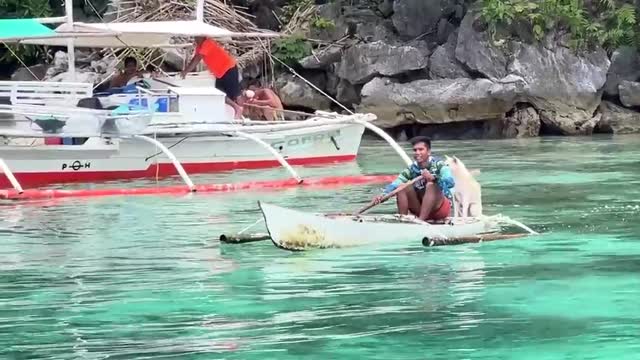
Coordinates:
216 13
298 23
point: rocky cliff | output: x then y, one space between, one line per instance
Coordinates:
432 67
429 66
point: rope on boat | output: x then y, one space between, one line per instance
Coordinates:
250 226
311 84
505 219
174 160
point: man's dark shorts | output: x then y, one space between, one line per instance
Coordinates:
229 83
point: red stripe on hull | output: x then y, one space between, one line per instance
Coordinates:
34 194
34 179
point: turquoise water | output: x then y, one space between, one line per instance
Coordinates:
146 277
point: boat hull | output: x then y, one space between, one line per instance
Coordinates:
294 230
119 159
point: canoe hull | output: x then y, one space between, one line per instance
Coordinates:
294 230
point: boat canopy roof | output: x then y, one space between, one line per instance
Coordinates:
148 34
22 29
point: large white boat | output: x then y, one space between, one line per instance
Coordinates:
84 151
53 132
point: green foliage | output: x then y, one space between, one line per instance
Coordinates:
291 49
16 9
603 24
24 8
322 23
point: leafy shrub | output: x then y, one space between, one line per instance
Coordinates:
322 23
605 24
291 49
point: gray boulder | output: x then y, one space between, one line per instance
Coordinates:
625 65
176 58
363 62
618 120
413 18
293 91
522 122
566 88
27 74
629 93
359 22
321 59
431 101
347 94
474 50
443 63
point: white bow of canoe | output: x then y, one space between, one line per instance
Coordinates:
295 230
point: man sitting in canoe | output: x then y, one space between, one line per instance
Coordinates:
430 199
221 65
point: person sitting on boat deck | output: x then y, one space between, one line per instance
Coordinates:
249 112
268 104
130 70
429 198
222 66
150 71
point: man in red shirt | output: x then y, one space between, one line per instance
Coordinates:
221 65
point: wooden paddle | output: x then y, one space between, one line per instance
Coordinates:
389 195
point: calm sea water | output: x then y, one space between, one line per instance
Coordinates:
146 277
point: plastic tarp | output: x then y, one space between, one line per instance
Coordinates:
23 29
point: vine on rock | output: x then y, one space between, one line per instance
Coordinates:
291 49
299 15
602 23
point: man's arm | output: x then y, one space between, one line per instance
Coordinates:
445 178
116 81
403 177
192 64
260 102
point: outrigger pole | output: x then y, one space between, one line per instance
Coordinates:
273 151
200 10
12 179
174 160
71 51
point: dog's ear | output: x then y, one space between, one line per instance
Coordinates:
455 159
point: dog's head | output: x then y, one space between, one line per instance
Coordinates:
458 167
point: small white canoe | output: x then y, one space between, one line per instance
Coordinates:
294 230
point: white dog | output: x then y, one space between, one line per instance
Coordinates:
468 193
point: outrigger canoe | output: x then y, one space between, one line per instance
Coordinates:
295 230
